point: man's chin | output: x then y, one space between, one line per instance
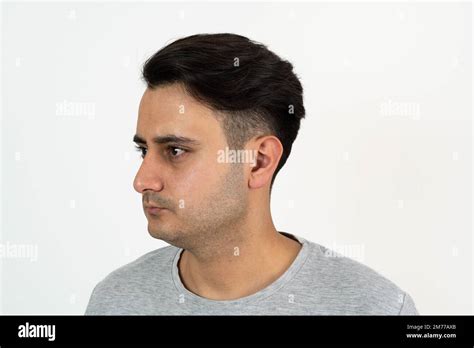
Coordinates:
169 237
158 234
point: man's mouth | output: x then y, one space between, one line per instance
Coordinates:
154 210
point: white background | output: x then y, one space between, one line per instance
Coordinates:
381 168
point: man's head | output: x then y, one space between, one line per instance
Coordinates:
215 124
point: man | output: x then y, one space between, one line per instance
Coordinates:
216 124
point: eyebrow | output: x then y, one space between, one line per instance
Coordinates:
165 139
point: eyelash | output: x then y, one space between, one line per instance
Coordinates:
168 148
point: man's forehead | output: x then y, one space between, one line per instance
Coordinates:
171 97
171 100
168 110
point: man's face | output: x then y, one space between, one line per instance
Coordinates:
180 172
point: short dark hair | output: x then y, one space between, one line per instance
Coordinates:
256 91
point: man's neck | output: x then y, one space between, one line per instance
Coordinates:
239 270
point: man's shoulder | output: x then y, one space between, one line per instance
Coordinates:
347 268
151 263
348 279
127 289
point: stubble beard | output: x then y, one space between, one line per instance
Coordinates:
212 227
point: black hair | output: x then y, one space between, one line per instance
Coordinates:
254 90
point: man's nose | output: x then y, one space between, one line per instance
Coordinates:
148 177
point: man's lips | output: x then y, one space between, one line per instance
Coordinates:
153 206
153 209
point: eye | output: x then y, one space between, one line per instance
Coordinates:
175 152
142 150
172 151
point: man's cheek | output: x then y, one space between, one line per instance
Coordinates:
199 180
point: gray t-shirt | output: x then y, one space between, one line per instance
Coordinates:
318 282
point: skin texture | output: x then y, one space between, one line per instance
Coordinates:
218 212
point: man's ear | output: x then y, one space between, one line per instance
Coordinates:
268 151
